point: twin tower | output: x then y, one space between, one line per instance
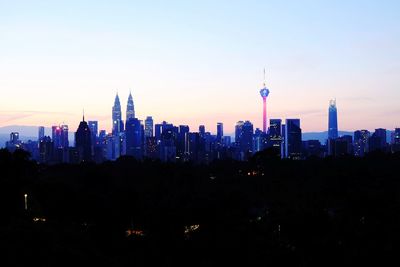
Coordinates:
118 124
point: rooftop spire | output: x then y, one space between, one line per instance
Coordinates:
265 78
83 114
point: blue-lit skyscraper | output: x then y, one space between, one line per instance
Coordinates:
148 127
333 123
130 108
41 133
117 117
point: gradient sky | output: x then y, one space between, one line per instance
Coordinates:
200 62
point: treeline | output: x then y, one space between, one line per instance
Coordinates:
267 211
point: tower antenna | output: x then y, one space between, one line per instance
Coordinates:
265 79
83 114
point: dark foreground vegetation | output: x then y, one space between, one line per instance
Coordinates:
265 212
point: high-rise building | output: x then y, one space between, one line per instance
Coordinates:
14 138
377 141
396 140
311 148
134 138
94 127
202 130
64 141
46 149
40 133
94 131
148 127
83 140
361 144
167 147
244 138
238 130
264 92
333 123
160 128
220 131
293 141
56 136
192 146
260 141
283 145
130 108
181 142
340 146
117 117
275 133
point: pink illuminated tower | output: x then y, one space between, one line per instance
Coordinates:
264 92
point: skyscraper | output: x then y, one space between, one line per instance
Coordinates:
361 144
94 127
64 142
244 138
14 138
293 140
134 140
264 92
333 123
202 130
396 140
56 136
83 141
130 108
220 131
117 117
275 133
40 133
148 127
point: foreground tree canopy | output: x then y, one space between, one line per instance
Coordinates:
329 212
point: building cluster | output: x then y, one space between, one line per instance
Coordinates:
172 143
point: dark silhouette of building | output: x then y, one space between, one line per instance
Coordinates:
134 138
46 149
220 132
312 148
83 141
181 142
293 137
377 141
244 139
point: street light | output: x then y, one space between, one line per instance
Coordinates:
26 201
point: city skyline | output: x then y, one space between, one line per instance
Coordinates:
203 66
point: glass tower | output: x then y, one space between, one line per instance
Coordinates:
333 124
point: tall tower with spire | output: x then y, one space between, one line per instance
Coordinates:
130 108
264 92
83 141
332 123
116 116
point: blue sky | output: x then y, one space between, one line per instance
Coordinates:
200 62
